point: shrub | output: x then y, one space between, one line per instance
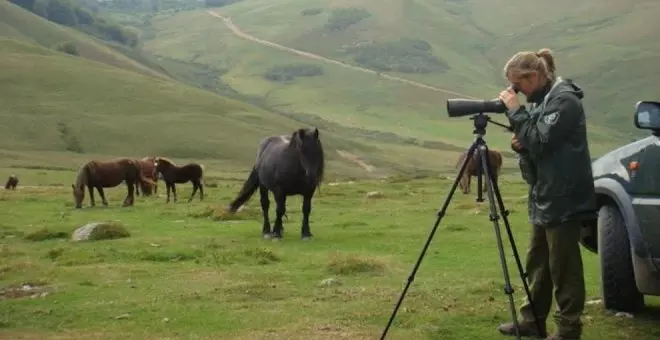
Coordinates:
404 55
311 11
68 47
341 18
291 71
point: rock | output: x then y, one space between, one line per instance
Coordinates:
329 282
99 231
624 314
375 194
82 233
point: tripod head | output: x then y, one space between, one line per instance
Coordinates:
481 122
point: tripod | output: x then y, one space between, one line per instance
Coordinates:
481 149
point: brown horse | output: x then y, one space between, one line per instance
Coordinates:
494 160
12 182
172 174
149 171
108 174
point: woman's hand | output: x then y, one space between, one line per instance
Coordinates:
515 144
510 100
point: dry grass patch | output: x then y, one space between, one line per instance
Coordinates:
343 264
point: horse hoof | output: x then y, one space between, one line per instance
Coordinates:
276 239
307 238
267 236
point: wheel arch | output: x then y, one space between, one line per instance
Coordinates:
610 191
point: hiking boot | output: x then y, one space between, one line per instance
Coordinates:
527 329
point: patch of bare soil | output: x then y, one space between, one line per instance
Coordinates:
353 158
24 290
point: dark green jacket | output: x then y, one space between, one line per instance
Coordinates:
555 159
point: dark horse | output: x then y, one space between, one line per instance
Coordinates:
191 172
12 182
286 166
108 174
494 160
149 171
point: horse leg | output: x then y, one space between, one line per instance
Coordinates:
130 198
201 190
91 195
102 194
306 210
195 186
137 189
280 210
174 191
168 187
265 204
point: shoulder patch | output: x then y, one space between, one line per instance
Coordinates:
551 119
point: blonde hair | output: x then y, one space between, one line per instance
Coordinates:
525 62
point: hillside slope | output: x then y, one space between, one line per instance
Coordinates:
453 44
17 23
54 102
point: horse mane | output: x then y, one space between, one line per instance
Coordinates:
318 161
166 160
83 175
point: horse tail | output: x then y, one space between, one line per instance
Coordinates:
141 176
249 187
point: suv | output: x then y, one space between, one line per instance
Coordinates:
626 234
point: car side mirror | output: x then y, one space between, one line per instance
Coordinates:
647 115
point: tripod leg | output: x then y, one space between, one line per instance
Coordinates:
480 183
494 217
523 275
440 214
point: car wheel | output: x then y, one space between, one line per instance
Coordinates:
617 274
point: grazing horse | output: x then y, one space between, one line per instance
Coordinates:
191 172
12 182
285 166
494 160
149 171
108 174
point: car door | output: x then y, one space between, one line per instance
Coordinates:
645 191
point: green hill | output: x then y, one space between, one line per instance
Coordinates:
61 109
454 45
17 23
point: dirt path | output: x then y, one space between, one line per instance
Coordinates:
237 31
353 158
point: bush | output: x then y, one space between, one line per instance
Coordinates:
68 47
311 11
219 3
290 71
405 55
341 18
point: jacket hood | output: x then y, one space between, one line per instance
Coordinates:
566 85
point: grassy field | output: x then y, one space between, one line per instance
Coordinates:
189 272
595 43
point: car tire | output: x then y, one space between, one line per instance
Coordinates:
618 285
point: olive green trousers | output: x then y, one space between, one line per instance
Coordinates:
554 267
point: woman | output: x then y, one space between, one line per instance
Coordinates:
551 140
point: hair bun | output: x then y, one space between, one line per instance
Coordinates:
546 55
